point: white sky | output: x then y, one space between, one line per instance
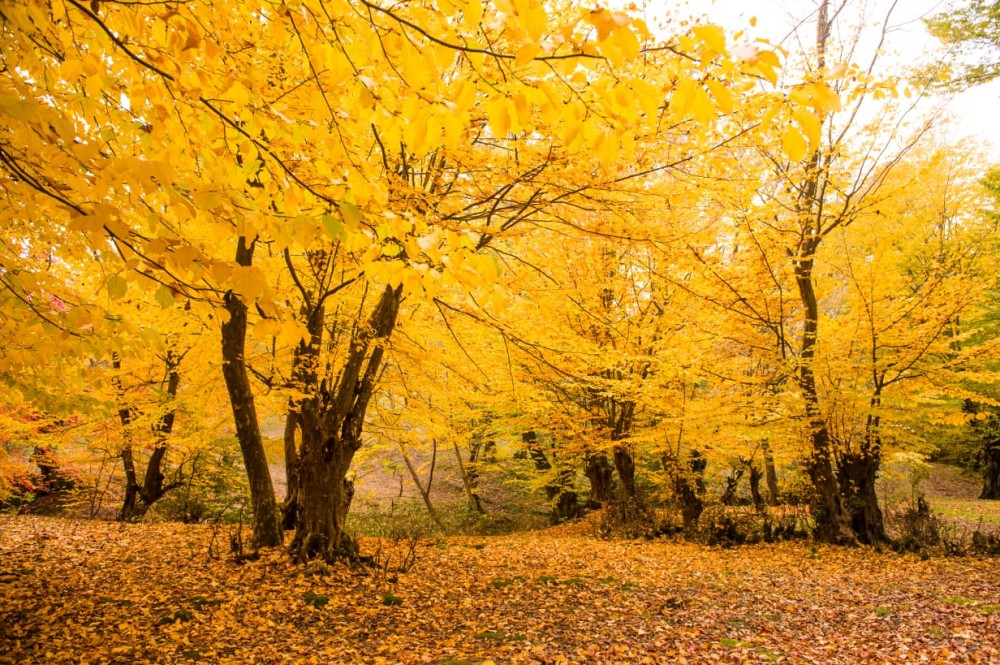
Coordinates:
974 112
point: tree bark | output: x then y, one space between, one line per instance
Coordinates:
290 506
139 497
728 497
770 475
267 531
858 471
331 422
305 379
828 510
686 483
424 490
829 513
991 470
563 501
470 477
601 476
625 466
755 477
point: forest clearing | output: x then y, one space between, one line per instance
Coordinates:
99 592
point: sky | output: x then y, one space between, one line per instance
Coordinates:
973 113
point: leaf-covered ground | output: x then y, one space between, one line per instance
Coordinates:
73 591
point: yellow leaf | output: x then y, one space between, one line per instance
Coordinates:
351 213
723 95
526 54
793 144
498 112
248 282
810 124
164 296
531 15
824 98
627 42
713 36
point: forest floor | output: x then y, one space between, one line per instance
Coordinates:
99 592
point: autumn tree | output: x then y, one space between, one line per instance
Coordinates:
972 30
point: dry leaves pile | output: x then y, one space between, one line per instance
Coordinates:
73 591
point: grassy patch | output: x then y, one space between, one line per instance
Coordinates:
970 511
977 605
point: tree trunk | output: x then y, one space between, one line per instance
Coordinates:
470 477
267 531
601 476
290 506
129 508
424 490
563 500
858 471
770 475
728 497
755 477
829 513
567 505
991 470
828 510
325 495
331 426
305 378
139 497
685 486
625 466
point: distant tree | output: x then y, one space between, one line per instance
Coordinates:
985 425
973 30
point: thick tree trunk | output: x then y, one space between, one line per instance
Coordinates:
305 378
685 486
625 466
602 480
331 426
991 470
267 531
755 477
567 505
828 510
325 495
858 472
857 483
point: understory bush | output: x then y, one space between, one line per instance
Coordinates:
916 528
215 489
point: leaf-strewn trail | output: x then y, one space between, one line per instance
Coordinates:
97 592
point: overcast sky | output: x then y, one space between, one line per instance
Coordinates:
974 113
